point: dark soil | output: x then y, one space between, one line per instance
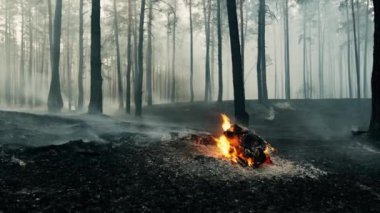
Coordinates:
129 171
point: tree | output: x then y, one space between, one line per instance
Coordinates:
374 128
118 63
96 96
149 57
139 79
286 49
190 3
129 59
207 21
80 69
357 56
55 102
220 53
261 59
238 81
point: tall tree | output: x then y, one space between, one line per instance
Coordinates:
374 128
118 63
129 59
149 58
174 27
350 90
261 59
138 92
365 74
286 49
55 102
242 38
220 53
238 80
96 97
22 58
207 17
190 2
80 69
356 43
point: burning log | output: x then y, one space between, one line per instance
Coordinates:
242 146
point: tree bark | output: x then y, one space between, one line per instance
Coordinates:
357 62
173 89
191 52
96 96
118 63
365 62
348 52
207 16
238 81
138 92
286 54
374 128
129 59
149 56
80 69
220 53
55 102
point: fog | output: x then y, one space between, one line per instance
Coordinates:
321 25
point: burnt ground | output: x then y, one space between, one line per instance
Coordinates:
51 163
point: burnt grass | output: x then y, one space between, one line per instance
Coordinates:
125 172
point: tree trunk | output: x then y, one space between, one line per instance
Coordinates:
68 62
149 56
191 52
22 59
220 54
374 128
138 92
357 62
118 63
129 59
242 39
80 69
350 90
287 62
304 57
261 61
365 75
238 81
173 89
207 16
96 96
55 102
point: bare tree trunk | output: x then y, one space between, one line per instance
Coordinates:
365 76
22 59
138 92
80 69
287 62
149 56
207 16
349 52
191 52
96 97
374 128
173 92
220 54
238 80
357 62
242 39
118 63
129 59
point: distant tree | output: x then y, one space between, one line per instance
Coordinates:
220 52
374 128
96 97
238 81
357 49
207 21
80 69
118 63
55 102
286 49
261 58
190 5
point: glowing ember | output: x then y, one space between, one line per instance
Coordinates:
242 146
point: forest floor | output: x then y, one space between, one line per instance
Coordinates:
117 163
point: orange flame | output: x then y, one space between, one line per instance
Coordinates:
229 147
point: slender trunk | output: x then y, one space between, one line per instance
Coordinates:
129 59
68 62
350 90
287 52
8 97
263 57
220 54
173 93
238 80
96 96
207 16
149 56
374 128
320 54
242 39
139 92
118 63
80 69
357 62
365 75
191 52
22 59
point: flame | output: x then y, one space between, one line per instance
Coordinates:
226 122
229 147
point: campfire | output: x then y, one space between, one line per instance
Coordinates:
242 146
